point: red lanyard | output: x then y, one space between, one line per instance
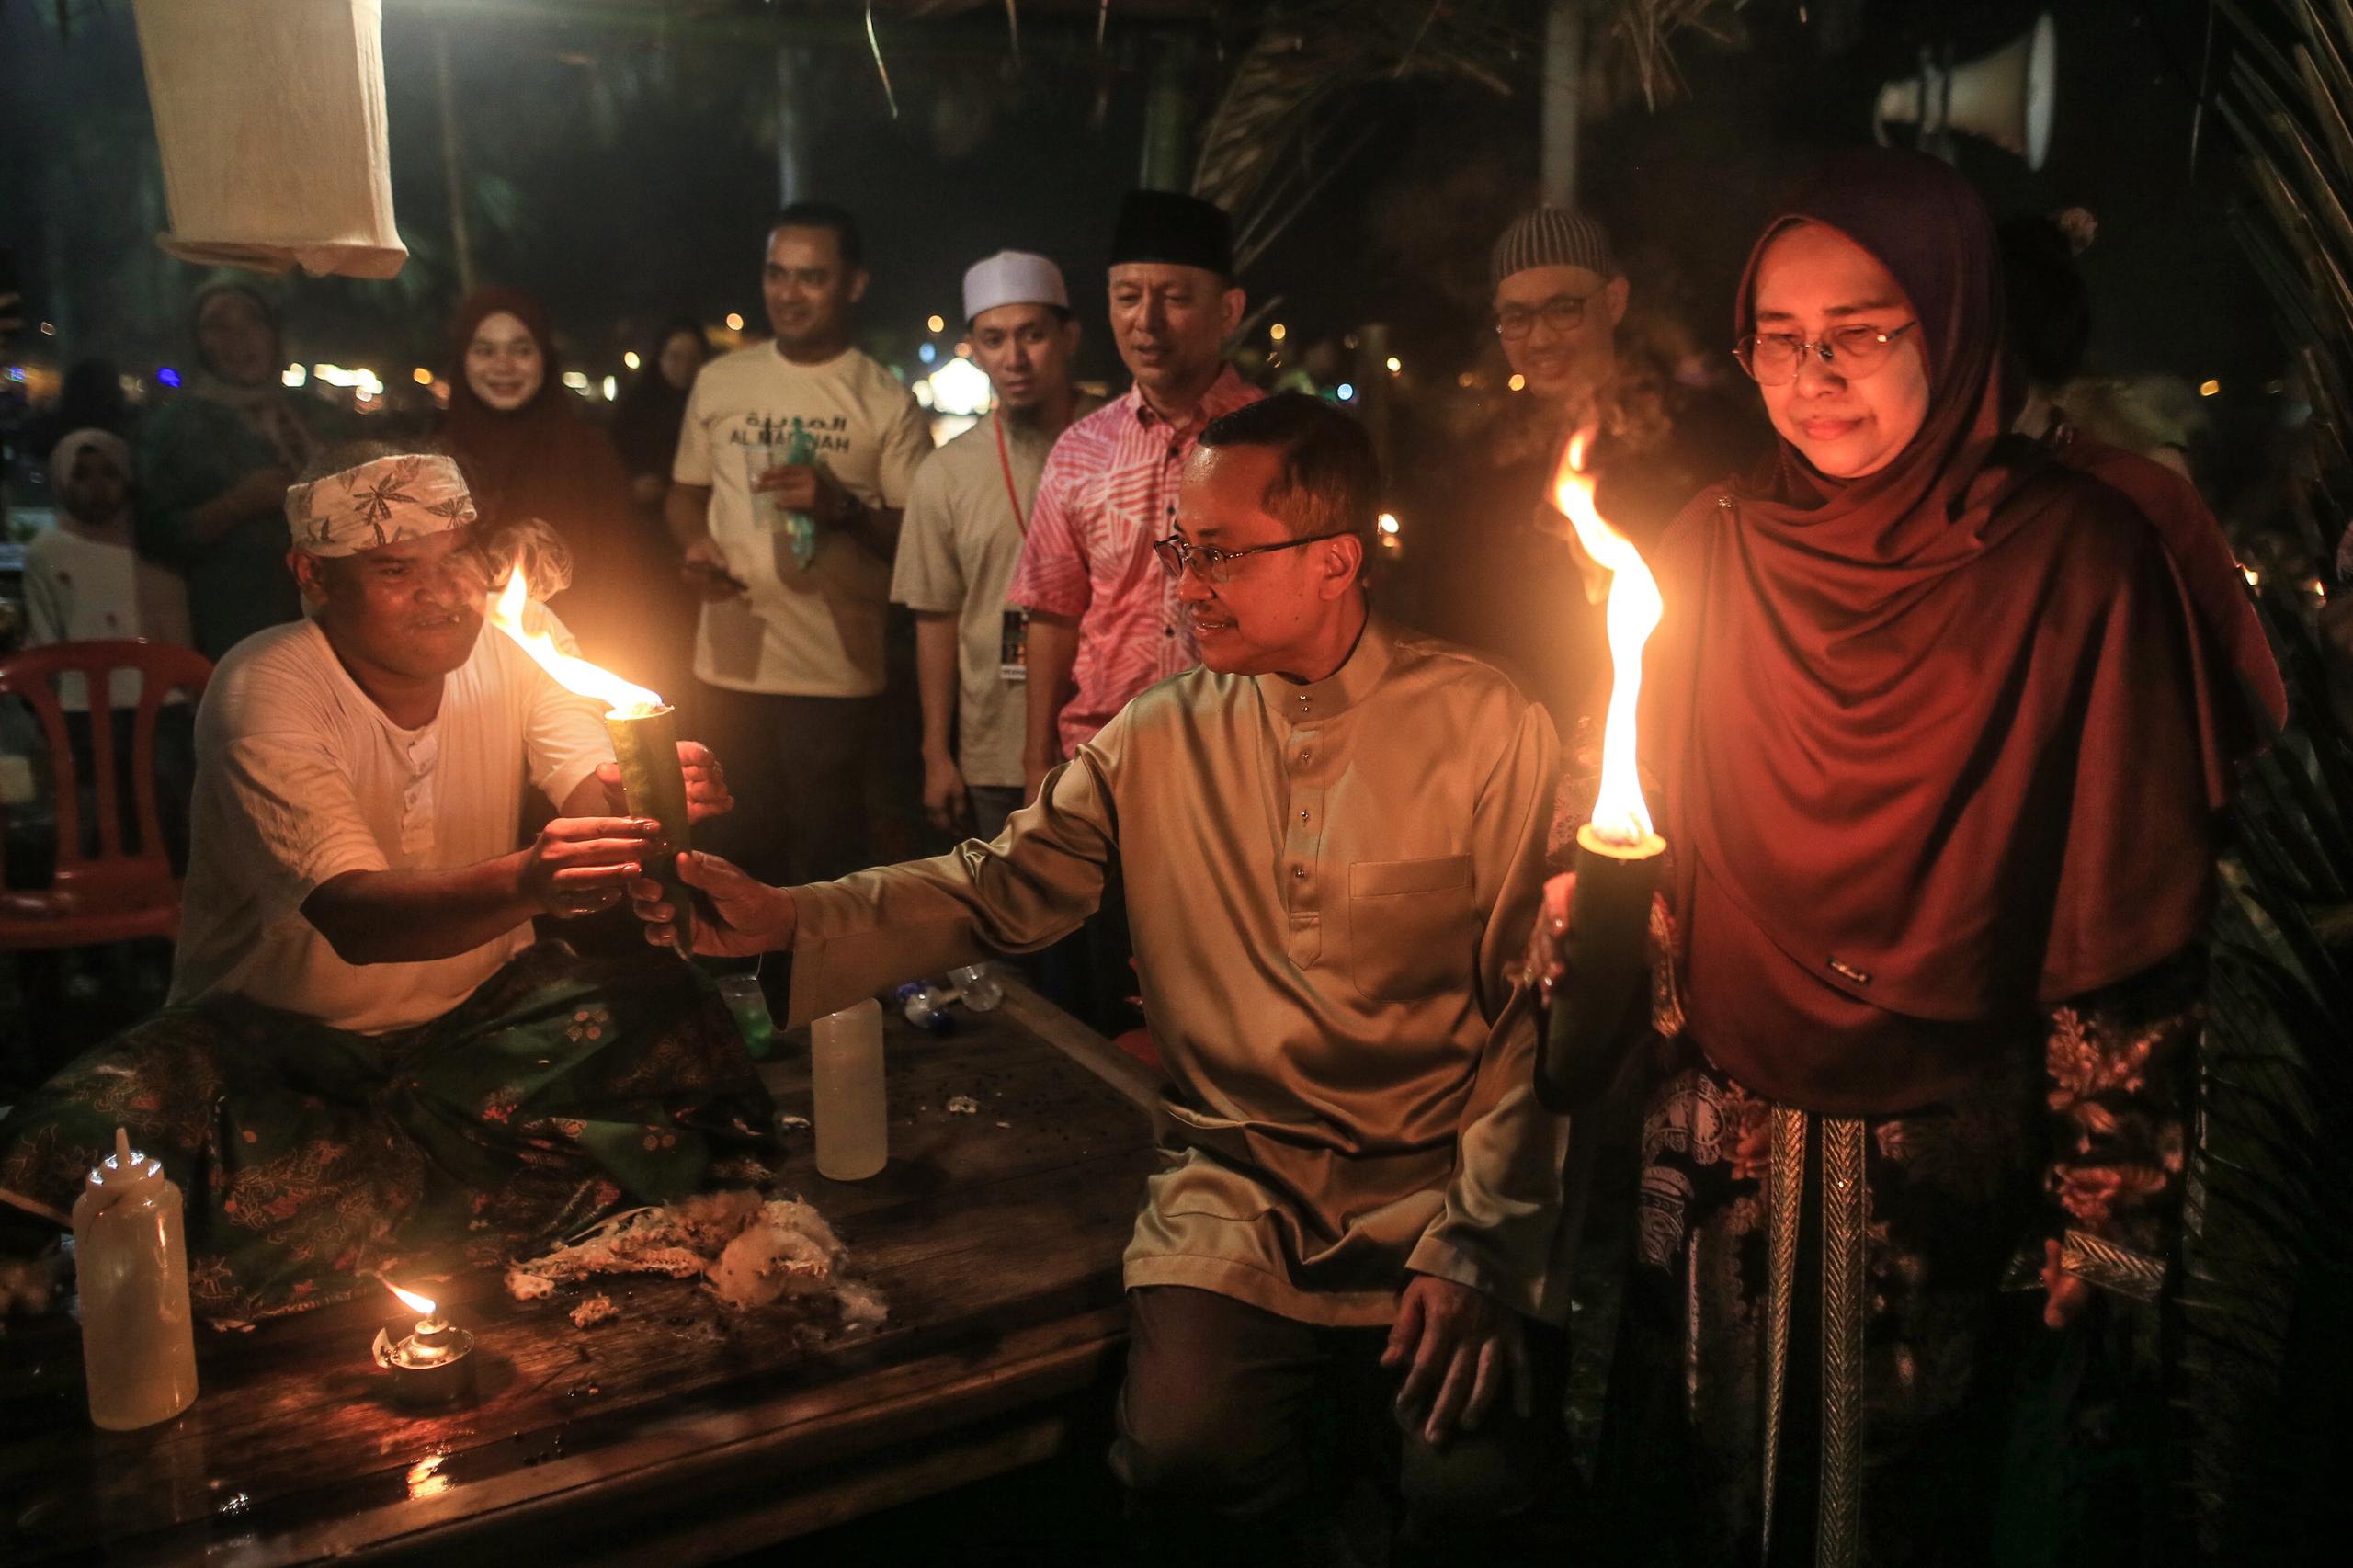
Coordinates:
1005 464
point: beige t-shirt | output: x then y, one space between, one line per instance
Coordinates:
818 631
299 778
956 550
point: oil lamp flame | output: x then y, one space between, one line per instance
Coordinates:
625 700
1620 816
421 1306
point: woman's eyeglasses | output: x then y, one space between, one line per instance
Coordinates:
1178 555
1854 352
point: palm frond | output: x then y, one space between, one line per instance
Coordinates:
2267 1279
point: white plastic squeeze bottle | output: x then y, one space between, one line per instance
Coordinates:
138 1338
852 1113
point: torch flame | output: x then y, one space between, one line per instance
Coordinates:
625 701
1620 817
421 1306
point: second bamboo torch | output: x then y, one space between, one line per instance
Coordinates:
1594 1011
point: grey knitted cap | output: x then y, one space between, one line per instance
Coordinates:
1552 236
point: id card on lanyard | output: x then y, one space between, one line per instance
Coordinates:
1013 638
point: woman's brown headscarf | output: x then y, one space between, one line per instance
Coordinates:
1941 733
542 461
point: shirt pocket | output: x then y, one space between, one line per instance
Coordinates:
1412 927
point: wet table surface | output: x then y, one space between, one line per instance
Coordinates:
994 1237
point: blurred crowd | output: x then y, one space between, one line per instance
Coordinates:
901 640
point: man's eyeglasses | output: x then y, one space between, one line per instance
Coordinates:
1178 555
1854 352
1562 312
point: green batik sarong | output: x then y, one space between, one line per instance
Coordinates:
310 1158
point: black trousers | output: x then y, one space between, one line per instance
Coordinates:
798 768
1241 1432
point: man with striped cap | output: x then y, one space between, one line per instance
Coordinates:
1496 567
1662 426
1559 297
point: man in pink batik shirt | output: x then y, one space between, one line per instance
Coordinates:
1102 613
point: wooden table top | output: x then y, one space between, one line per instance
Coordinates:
996 1239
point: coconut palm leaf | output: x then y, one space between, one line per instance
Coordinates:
1282 125
2268 1281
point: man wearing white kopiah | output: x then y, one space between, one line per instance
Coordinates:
366 1056
967 515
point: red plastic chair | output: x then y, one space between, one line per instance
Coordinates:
1138 1043
114 895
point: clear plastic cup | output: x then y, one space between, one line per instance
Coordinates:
771 515
749 1005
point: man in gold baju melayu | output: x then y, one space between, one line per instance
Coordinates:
1331 834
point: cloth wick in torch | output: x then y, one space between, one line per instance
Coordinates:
1596 1010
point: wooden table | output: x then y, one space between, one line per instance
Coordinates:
994 1237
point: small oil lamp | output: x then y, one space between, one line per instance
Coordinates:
1607 954
433 1364
644 732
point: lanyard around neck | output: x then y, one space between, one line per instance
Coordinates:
1005 466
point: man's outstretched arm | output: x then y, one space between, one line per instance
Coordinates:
851 937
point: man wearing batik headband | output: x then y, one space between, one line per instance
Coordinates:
366 1053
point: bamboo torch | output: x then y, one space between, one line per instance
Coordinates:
1607 955
644 732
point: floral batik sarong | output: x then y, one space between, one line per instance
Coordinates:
1819 1363
309 1157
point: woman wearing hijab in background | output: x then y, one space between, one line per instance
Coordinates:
645 428
213 465
526 453
1939 739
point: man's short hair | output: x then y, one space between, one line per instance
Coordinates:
826 215
1329 482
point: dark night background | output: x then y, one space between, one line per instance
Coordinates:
625 171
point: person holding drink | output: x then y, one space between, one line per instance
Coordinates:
794 465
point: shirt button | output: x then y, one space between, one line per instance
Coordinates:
1303 817
1168 631
1305 754
1299 870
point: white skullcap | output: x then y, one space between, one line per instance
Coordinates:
1013 278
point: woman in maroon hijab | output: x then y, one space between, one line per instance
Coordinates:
1939 739
528 453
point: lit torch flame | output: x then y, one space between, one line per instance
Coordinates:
625 701
421 1306
1620 817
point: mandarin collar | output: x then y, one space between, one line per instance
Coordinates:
1219 399
1313 702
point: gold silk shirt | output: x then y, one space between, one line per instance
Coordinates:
1327 885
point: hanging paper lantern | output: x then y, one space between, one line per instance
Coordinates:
270 115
